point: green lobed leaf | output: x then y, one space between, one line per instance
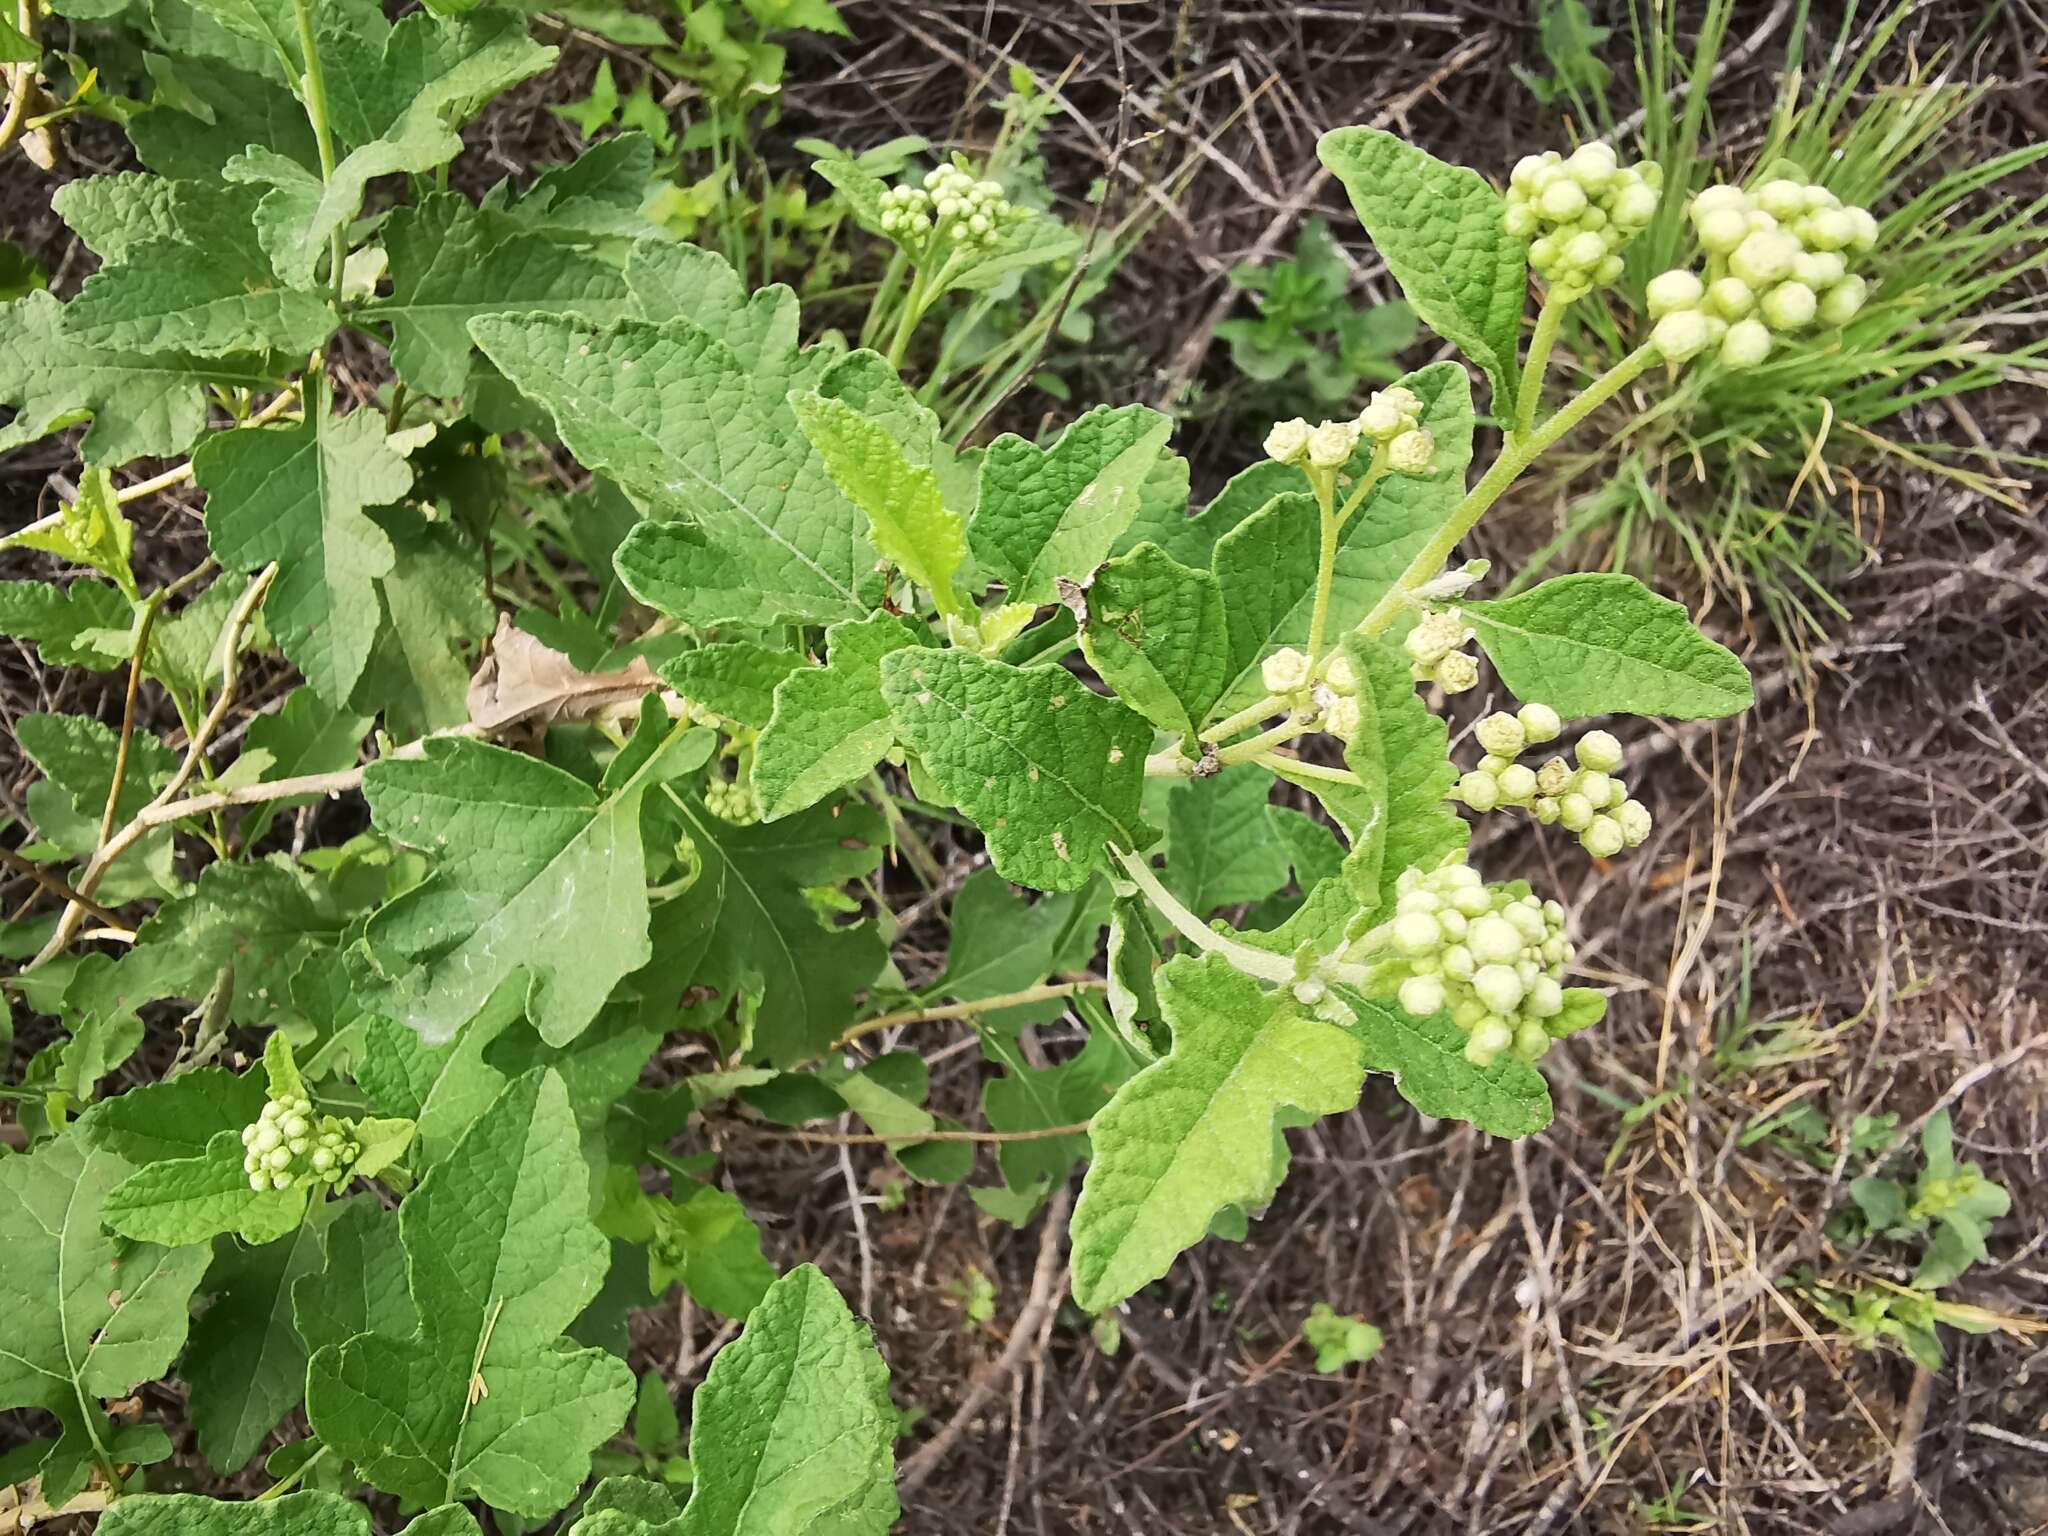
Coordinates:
174 1118
685 282
1402 749
297 495
435 609
115 214
792 1432
1044 514
1050 771
1427 1059
733 678
194 1199
195 300
1598 644
1158 635
1196 1131
830 725
486 1398
519 844
87 624
295 1514
1220 848
1440 230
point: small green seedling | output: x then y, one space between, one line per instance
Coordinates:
1339 1340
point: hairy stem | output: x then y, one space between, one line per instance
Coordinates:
1326 565
1253 962
1548 319
315 84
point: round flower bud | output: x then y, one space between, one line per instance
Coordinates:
1517 784
1383 417
1790 306
1521 221
1480 791
1532 1040
259 1182
1574 812
322 1160
1454 924
1287 443
1760 222
1544 809
1539 723
1584 250
1829 229
1403 399
1592 165
280 1180
1489 1039
1781 198
294 1126
1670 292
1747 343
1554 777
1865 229
1595 786
1457 672
1330 444
268 1137
1285 671
1633 818
1526 170
1526 918
1501 733
1422 996
1820 269
1545 999
272 1110
1609 271
277 1157
1599 751
1412 452
1723 230
1635 205
1731 298
1563 199
1498 987
1342 718
1415 934
1764 258
1471 901
1543 253
1839 305
1434 637
1681 335
1340 674
1457 961
1492 940
1715 198
1602 838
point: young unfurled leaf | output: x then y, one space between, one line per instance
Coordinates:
1439 229
519 844
175 1118
1195 1132
87 624
92 532
140 401
908 519
194 1199
830 724
89 1315
297 495
1157 634
1050 771
792 1430
1047 513
1427 1059
486 1398
1595 644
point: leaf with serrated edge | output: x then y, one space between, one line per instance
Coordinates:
487 1398
1402 748
1157 634
733 678
175 1118
792 1432
1440 230
1050 771
173 297
1595 644
523 846
296 1514
1195 1131
193 1199
89 1316
831 724
297 495
1045 513
88 624
1427 1059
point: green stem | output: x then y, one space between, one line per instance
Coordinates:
1326 566
1548 319
315 85
906 324
1253 962
1516 455
1265 741
1373 475
1250 715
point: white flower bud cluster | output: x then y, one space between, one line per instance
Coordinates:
966 212
1494 955
1588 799
730 800
1578 213
1436 651
1777 264
287 1146
1390 419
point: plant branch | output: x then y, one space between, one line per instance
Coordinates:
1548 319
315 84
21 79
1038 994
55 885
1253 962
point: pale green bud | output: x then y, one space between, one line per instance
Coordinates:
1285 671
1723 230
1782 199
1543 253
277 1157
1731 298
1609 271
1603 837
268 1137
1714 199
1471 900
1412 453
1599 751
1342 718
1489 1039
1422 996
1790 306
1865 235
1479 790
1681 335
1521 220
1544 809
1532 1040
1635 206
1561 200
1457 672
1492 940
1526 170
1331 444
272 1110
1747 343
1839 305
1764 258
259 1182
1340 675
1574 812
1670 292
1545 999
1592 166
1820 269
1414 934
1584 250
1498 987
1539 723
322 1159
1633 818
1457 961
1435 636
1501 733
1829 229
1517 784
1595 786
1287 443
1380 420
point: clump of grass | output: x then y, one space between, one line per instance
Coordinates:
1762 478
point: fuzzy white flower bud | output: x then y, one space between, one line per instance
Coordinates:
1340 674
1840 304
1435 636
1331 444
1287 443
1539 723
1422 996
1634 820
1730 298
1670 292
1681 335
1599 751
1603 838
1457 672
1501 733
1342 718
1517 783
1412 453
1479 790
1285 671
1747 343
1790 306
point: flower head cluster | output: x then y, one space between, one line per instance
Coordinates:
1494 955
1578 213
1777 264
288 1145
731 800
1332 688
965 212
1588 799
1436 651
1390 420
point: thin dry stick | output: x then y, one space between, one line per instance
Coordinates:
56 886
900 1138
1044 1297
111 849
21 79
1037 994
338 782
183 472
